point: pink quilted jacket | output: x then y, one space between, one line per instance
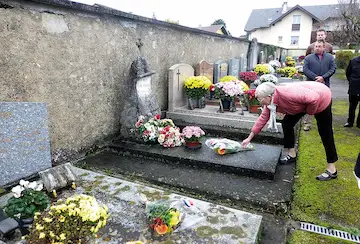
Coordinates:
292 98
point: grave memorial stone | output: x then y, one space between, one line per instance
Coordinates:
140 99
243 63
254 53
206 69
234 68
220 70
24 140
177 75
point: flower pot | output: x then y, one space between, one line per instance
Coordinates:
228 105
254 108
196 103
24 224
193 144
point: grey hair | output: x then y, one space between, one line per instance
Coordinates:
265 89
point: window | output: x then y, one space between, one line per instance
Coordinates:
326 27
296 23
294 40
280 38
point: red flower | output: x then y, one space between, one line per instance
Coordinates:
212 88
157 116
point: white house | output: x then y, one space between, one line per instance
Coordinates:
291 28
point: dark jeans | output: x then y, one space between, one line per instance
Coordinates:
357 167
353 100
324 123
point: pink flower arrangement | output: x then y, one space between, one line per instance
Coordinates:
249 76
228 89
192 133
170 136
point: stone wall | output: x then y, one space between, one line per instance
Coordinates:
76 59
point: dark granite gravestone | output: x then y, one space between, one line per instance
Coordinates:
24 140
139 98
220 70
234 68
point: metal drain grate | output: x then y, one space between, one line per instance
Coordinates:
329 232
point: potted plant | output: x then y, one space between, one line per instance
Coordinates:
195 88
248 77
266 78
261 69
227 92
192 136
253 102
74 220
28 199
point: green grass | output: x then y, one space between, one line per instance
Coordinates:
303 237
340 74
334 203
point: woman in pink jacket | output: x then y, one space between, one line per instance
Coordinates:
295 100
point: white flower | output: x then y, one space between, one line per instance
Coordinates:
32 185
39 187
161 138
24 183
17 191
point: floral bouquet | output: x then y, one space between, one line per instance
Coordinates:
74 220
290 62
248 76
197 86
226 146
261 69
228 90
266 78
275 64
192 133
251 97
170 136
163 216
149 127
28 199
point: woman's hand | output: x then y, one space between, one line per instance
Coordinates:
245 142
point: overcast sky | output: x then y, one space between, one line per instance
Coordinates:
195 13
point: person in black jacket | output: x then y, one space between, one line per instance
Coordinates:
357 170
353 76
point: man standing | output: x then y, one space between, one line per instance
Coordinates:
320 35
319 66
353 76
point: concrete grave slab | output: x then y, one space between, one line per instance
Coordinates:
259 163
24 138
177 75
204 222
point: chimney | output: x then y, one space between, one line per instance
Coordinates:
284 8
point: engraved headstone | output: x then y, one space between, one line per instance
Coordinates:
177 75
140 99
220 70
206 69
24 140
234 68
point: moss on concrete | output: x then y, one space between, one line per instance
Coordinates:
303 237
332 203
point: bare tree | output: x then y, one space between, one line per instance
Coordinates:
349 11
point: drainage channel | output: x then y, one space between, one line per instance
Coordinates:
329 232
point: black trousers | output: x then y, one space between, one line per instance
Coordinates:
353 100
357 167
324 123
